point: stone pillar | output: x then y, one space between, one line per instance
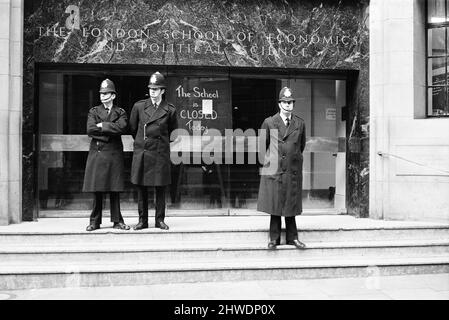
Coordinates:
11 56
378 124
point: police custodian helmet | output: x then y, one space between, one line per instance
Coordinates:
157 80
107 86
286 94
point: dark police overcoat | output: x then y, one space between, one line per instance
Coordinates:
151 129
280 191
105 162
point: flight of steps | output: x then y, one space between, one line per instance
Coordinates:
59 253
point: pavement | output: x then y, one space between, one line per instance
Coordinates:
404 287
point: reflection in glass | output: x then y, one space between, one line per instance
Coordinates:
437 100
51 179
437 45
436 12
436 74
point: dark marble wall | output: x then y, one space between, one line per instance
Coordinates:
316 35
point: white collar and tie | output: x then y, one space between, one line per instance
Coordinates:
108 110
287 120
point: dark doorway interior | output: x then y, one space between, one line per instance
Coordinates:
252 101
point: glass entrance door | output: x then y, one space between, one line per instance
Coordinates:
321 104
242 103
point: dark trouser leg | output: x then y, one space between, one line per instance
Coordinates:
291 229
275 228
142 201
116 215
160 204
95 216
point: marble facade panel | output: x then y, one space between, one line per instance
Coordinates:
16 95
398 35
398 9
4 56
4 173
4 97
4 20
398 100
16 20
252 34
410 207
419 131
398 67
15 211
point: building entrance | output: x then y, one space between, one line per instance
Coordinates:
241 102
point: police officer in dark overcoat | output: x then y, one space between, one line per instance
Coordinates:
105 162
281 177
152 122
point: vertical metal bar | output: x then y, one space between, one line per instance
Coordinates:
312 133
445 58
426 17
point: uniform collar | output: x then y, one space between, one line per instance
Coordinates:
156 104
283 117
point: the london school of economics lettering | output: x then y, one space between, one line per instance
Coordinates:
208 42
259 34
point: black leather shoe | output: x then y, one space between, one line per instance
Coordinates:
161 225
273 244
120 225
298 244
140 226
92 227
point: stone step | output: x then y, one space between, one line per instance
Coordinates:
162 252
224 234
101 274
58 252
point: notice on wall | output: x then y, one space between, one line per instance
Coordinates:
331 114
207 106
201 103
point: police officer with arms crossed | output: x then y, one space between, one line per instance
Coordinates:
280 191
105 163
152 121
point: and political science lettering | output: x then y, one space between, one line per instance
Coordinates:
175 33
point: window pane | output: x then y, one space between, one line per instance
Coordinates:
437 46
437 101
436 11
238 103
436 72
